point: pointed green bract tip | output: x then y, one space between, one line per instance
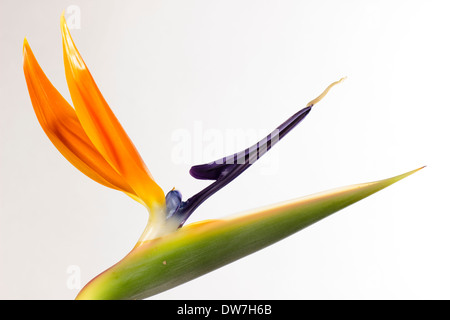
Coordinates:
199 248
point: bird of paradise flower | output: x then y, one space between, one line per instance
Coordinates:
168 253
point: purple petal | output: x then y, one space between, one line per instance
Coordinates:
224 170
222 167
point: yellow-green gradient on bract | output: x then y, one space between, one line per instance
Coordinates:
197 249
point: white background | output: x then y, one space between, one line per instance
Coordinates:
227 65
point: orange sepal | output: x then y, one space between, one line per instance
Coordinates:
102 127
60 122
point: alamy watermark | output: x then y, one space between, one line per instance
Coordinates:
73 281
73 17
200 145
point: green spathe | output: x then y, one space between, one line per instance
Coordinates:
197 249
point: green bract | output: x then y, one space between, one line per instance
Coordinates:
196 249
